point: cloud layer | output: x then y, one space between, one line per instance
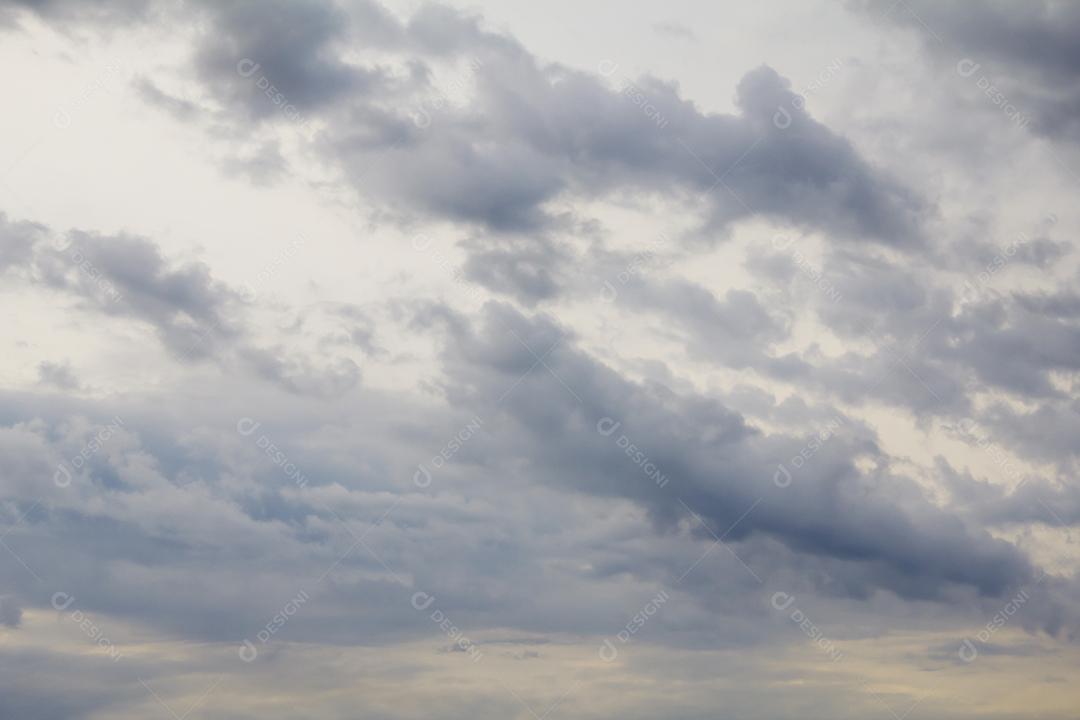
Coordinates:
394 365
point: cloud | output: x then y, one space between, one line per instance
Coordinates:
563 334
126 275
73 12
675 30
10 613
1025 59
17 240
59 375
719 465
293 46
548 132
195 316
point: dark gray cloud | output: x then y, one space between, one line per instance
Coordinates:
530 268
294 46
925 332
195 316
124 275
734 330
549 132
128 276
1046 433
1022 57
1035 500
1007 346
866 531
718 465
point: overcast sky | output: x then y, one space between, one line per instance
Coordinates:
539 360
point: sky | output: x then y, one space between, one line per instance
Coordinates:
539 360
